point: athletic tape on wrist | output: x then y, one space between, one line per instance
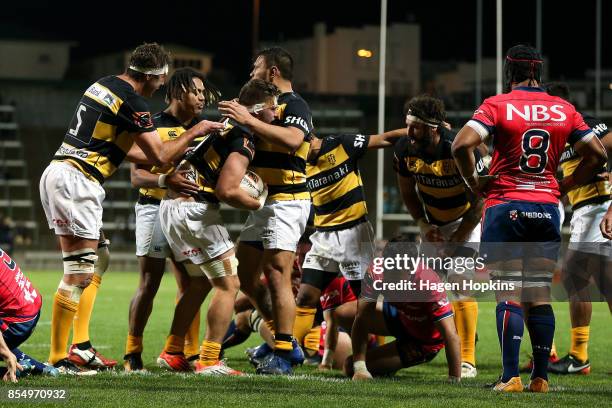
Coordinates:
161 181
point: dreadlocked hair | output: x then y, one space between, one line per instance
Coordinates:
427 108
147 56
257 91
181 82
523 62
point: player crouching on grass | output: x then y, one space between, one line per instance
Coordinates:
421 322
198 238
20 305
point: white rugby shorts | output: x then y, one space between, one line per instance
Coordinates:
278 225
194 230
349 251
150 240
585 235
71 201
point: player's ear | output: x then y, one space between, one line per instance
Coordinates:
274 72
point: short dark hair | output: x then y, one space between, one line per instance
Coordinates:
426 108
560 89
257 91
523 62
278 57
181 82
147 56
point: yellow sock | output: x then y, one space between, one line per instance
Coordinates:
466 318
270 325
61 320
192 338
133 344
312 340
304 318
174 344
580 342
283 342
209 352
80 325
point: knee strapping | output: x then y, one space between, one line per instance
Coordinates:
79 261
72 292
537 279
221 267
103 260
214 269
508 277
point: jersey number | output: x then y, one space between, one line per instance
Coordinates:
535 148
75 131
83 123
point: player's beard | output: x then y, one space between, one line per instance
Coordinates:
422 145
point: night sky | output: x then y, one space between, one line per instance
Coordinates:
224 27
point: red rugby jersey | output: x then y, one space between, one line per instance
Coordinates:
418 318
418 308
19 300
337 293
530 129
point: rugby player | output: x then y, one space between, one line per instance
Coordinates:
443 208
343 238
187 93
110 117
270 236
530 130
249 320
420 321
588 253
198 238
20 304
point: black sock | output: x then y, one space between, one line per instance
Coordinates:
541 326
86 345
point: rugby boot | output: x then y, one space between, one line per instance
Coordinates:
274 365
570 365
173 362
90 358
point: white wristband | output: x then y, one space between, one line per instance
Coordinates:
359 367
161 181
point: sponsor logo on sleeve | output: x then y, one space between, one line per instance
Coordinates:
143 119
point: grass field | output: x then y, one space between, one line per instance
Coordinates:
423 386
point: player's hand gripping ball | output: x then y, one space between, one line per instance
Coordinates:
254 186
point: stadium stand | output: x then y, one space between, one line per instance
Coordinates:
16 199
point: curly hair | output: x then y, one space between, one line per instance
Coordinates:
427 108
257 91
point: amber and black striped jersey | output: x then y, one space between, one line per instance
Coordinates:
440 185
282 170
168 128
335 184
595 192
102 129
208 160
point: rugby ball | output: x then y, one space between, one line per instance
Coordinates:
252 184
